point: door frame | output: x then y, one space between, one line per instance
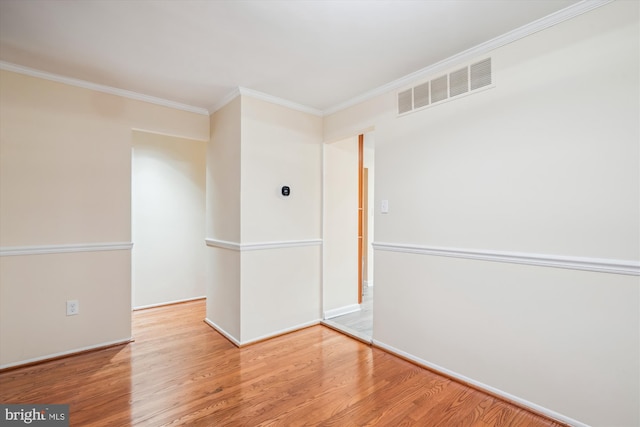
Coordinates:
360 215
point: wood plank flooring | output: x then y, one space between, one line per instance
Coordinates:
179 371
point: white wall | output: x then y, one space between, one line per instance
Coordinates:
280 286
168 204
280 290
540 334
65 213
264 267
223 220
340 256
546 163
280 146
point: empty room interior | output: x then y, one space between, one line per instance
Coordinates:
266 192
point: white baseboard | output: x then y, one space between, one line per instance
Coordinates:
330 314
239 343
525 403
224 333
66 353
281 332
347 331
142 307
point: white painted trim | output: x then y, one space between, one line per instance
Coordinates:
368 283
100 88
469 54
347 331
67 353
330 314
281 332
600 265
223 244
162 304
260 338
478 384
171 135
222 332
280 244
279 101
261 246
264 97
60 249
224 101
481 49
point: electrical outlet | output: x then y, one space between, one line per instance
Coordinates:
73 307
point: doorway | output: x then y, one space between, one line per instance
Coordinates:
348 234
167 219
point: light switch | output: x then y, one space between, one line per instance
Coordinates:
384 207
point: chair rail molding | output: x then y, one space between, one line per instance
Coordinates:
69 248
279 244
599 265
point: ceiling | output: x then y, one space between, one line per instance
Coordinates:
319 54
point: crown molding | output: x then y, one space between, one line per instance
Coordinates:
555 18
7 66
481 49
263 97
279 101
224 101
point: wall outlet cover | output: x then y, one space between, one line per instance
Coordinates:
73 307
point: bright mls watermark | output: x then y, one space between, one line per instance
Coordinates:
34 415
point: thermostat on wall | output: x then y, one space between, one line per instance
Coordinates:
286 191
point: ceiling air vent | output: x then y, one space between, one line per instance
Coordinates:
421 95
439 89
452 85
459 82
481 74
405 101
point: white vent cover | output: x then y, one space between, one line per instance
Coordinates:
459 82
421 95
450 85
481 74
405 101
439 90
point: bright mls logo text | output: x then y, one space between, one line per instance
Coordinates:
43 415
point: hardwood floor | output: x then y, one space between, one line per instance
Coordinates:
179 371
